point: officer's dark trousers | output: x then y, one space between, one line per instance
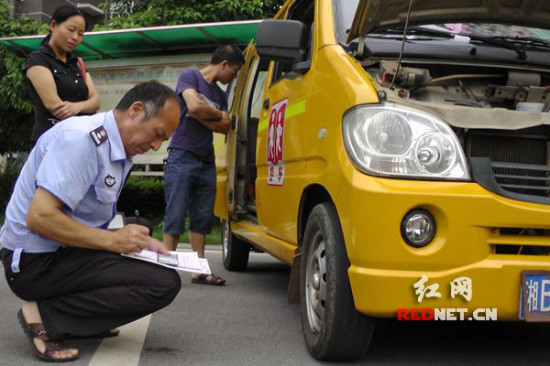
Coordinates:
83 292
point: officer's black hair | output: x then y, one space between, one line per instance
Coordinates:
152 94
63 13
228 52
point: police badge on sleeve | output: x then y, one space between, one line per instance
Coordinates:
110 181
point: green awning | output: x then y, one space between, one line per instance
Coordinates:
149 41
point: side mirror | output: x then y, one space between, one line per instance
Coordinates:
282 40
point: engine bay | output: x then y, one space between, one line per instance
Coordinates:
465 85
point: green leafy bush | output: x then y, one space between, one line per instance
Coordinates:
212 238
148 13
145 194
16 118
9 171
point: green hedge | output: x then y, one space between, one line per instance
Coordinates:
145 194
9 171
139 193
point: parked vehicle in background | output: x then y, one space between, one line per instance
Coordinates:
394 174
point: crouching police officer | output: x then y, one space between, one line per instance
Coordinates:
58 255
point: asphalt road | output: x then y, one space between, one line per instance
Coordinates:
248 322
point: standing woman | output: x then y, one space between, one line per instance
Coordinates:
58 88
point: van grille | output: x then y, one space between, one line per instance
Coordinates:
519 162
522 178
516 241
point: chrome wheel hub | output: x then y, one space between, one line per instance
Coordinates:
225 238
315 285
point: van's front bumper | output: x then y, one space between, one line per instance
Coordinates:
495 285
471 225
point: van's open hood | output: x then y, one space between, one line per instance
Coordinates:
375 15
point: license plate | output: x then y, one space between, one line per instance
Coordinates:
534 305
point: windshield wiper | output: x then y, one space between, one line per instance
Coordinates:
527 41
416 32
522 55
501 41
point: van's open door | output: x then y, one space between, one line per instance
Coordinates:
236 116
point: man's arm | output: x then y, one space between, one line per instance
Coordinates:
46 218
214 119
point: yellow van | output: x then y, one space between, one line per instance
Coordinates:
395 154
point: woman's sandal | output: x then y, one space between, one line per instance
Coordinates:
36 330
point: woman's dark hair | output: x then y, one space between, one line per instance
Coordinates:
61 14
64 12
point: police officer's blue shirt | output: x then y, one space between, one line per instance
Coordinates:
82 162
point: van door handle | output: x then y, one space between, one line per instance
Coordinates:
266 103
233 123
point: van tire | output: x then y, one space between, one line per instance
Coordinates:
333 329
235 251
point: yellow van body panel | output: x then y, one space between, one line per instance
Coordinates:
220 204
469 221
253 233
469 218
279 216
383 267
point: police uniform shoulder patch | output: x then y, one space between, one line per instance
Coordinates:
110 181
99 135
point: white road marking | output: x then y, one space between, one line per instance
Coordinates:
125 349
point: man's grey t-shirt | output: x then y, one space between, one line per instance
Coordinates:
191 135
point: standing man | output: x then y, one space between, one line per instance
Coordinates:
190 176
57 253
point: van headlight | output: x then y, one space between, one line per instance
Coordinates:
399 142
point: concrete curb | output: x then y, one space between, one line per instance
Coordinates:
209 247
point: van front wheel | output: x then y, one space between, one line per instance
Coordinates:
235 252
333 329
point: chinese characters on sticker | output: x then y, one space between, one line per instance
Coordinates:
461 286
275 143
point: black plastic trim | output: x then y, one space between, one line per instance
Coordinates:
482 173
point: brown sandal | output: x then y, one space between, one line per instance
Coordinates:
36 330
213 280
